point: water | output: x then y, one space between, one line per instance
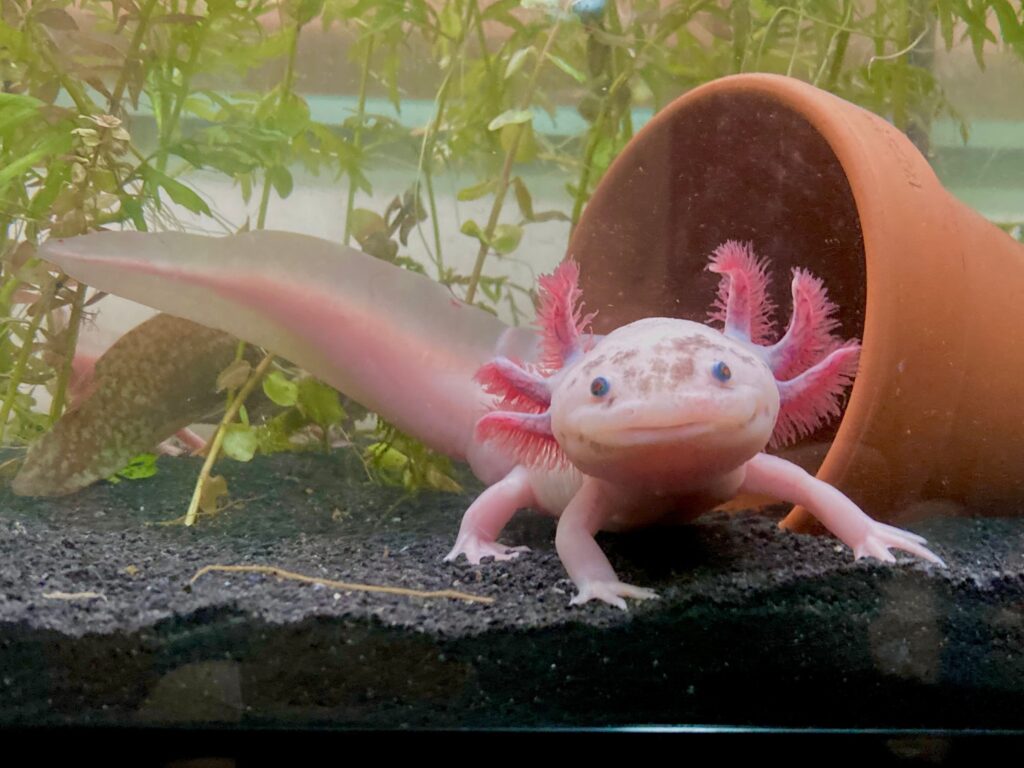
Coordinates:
326 572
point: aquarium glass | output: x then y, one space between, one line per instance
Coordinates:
498 364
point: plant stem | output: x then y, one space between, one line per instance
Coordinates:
283 95
481 37
261 216
588 159
899 75
357 136
133 52
236 402
424 170
22 360
796 41
218 438
64 376
429 140
626 69
842 41
83 103
506 169
187 72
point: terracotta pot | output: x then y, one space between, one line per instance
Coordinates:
935 419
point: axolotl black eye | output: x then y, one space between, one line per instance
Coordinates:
721 371
599 387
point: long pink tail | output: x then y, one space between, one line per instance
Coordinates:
396 341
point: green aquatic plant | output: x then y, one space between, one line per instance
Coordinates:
111 110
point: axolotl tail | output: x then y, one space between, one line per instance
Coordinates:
396 341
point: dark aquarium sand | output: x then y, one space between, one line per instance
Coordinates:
755 626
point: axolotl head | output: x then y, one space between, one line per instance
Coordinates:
664 403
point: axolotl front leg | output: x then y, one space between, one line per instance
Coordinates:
489 514
781 479
590 510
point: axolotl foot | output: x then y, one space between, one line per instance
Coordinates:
877 539
476 548
611 592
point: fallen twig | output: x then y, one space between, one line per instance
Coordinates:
343 585
75 596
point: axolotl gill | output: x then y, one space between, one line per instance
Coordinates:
654 423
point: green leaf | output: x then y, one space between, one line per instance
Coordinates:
477 191
471 228
523 198
280 389
234 376
55 18
510 117
364 223
526 149
517 59
281 179
946 21
133 209
450 22
240 442
292 116
15 110
550 216
1012 30
57 175
388 460
12 99
506 238
568 68
141 466
308 10
320 403
51 145
214 489
178 192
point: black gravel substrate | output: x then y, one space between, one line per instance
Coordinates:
755 626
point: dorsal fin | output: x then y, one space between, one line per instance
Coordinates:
808 337
527 436
813 397
742 304
560 315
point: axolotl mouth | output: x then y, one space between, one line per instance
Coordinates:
640 425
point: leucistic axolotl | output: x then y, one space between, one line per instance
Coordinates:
600 446
663 419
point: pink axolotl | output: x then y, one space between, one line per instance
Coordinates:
656 422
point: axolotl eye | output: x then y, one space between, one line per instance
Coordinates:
721 371
599 387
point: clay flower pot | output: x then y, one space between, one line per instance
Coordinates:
935 419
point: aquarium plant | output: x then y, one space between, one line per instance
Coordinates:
111 110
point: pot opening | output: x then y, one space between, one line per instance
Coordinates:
731 165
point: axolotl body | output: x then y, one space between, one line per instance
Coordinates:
656 422
663 419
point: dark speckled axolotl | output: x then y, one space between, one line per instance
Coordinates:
654 423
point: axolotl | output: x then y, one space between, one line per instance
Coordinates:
654 423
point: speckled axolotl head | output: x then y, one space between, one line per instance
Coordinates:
664 400
671 404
